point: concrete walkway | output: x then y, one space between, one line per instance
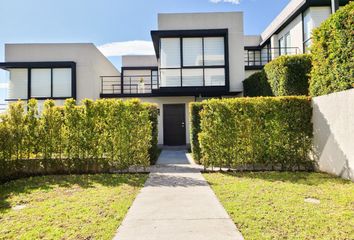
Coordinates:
177 204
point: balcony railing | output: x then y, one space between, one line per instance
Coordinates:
259 58
132 84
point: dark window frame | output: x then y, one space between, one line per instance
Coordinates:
43 65
202 67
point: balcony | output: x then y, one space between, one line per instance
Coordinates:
190 84
256 58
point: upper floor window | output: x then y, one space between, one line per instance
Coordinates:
40 82
50 82
285 44
192 61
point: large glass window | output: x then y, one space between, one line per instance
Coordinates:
192 52
203 60
170 53
18 83
61 82
192 77
41 82
170 77
214 77
214 51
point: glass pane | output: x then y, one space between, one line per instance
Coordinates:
170 77
214 77
40 82
257 58
192 52
170 52
62 82
18 82
214 51
192 77
282 46
288 44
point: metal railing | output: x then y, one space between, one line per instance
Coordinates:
264 56
131 84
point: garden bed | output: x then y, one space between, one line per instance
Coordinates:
67 207
283 205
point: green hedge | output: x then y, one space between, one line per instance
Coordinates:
265 132
257 85
289 75
333 53
95 136
195 108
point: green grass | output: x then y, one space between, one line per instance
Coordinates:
270 205
67 207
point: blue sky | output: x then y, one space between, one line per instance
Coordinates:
107 21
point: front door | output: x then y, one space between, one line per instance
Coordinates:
174 125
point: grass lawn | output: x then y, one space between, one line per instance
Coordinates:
271 205
66 207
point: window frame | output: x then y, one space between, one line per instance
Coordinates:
225 66
40 65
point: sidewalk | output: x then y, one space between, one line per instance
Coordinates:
176 204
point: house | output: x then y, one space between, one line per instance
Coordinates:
197 56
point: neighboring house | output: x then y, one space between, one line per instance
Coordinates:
289 33
197 56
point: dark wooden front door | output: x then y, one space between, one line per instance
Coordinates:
174 125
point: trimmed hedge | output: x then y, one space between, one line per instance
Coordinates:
289 75
333 53
257 85
195 108
258 133
98 136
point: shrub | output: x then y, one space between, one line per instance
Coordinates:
333 53
153 116
195 109
257 85
289 75
259 132
98 136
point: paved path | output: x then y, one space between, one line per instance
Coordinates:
177 204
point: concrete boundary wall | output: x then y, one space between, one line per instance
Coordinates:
333 122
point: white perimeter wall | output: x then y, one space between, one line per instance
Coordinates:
90 63
333 119
233 21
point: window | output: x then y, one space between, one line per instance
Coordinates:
214 77
281 46
61 82
18 83
170 77
154 79
192 77
41 82
170 53
214 51
51 82
192 52
287 44
202 60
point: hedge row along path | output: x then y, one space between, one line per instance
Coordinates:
177 203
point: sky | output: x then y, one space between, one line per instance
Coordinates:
115 26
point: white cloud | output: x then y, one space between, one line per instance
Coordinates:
136 47
226 1
4 85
